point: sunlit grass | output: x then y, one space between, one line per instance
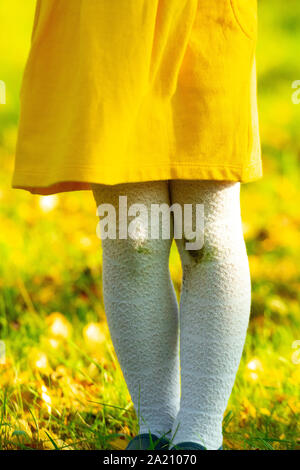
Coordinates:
61 386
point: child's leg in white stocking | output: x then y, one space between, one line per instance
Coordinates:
214 310
142 310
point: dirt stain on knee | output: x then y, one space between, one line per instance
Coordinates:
143 249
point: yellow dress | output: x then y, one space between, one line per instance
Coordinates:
119 91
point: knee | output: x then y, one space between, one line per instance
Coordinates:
140 245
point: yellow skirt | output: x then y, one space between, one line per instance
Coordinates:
124 91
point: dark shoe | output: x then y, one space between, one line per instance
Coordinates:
142 442
189 446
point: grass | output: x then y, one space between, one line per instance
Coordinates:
61 386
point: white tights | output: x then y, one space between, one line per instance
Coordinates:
146 325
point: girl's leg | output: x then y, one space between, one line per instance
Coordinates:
214 310
142 309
